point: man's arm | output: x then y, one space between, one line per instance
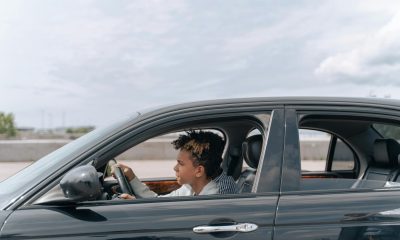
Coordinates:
140 189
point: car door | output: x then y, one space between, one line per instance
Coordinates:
165 218
157 219
331 208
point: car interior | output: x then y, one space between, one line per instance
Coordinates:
240 134
375 156
242 137
240 159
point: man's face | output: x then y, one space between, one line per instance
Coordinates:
185 171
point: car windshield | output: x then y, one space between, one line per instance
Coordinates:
11 188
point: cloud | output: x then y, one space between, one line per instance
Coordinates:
96 60
376 60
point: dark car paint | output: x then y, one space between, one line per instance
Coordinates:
333 214
291 168
270 163
299 215
142 219
307 215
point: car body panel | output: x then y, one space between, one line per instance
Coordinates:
164 219
276 205
339 215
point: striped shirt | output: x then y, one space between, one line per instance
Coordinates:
226 184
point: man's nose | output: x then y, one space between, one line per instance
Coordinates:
176 167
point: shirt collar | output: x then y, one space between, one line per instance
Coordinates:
219 177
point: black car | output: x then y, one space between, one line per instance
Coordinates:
353 194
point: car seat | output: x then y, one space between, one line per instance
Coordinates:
251 149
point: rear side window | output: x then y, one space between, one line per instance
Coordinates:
343 158
330 161
314 147
388 131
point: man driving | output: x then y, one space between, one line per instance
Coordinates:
198 163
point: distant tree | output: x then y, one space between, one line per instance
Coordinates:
7 125
79 130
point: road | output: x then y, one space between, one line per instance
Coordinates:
143 168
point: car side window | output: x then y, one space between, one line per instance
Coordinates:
342 158
321 151
326 161
367 158
153 158
314 146
151 167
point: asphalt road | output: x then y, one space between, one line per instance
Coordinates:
142 168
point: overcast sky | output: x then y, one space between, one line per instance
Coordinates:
70 63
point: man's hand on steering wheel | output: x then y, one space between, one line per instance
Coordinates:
125 169
126 196
124 175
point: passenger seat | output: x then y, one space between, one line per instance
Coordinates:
385 162
251 149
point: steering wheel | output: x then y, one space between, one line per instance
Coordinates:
123 181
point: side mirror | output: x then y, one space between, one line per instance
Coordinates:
81 184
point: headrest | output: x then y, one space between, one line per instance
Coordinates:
251 149
386 152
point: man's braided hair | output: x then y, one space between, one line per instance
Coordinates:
206 149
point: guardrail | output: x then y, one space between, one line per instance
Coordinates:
32 150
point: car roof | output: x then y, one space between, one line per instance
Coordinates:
293 100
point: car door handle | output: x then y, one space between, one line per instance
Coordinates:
241 227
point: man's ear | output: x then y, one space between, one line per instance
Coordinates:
200 171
